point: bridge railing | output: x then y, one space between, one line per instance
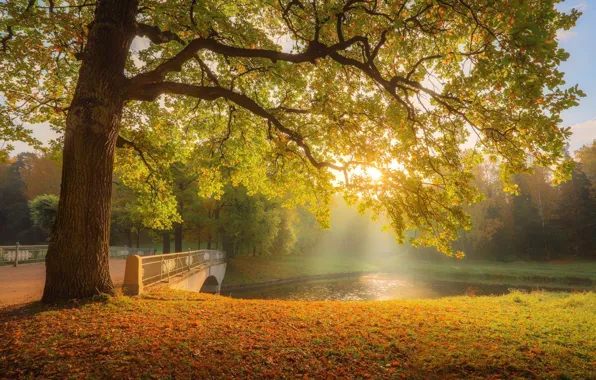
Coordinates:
26 254
15 254
148 270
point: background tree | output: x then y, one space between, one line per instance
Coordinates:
127 215
586 155
396 86
41 174
576 217
285 240
15 221
198 225
250 224
43 211
488 216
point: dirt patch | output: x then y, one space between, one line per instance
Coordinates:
25 282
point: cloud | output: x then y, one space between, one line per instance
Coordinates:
40 131
581 6
140 43
583 133
564 35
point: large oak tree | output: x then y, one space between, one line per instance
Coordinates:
282 93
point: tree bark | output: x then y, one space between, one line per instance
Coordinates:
178 229
227 245
165 242
77 264
178 237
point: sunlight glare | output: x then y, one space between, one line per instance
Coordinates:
374 173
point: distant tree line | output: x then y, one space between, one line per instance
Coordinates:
240 223
541 223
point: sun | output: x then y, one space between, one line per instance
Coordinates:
374 174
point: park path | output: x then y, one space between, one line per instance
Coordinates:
25 282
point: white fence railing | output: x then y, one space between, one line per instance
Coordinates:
127 251
15 254
161 267
22 253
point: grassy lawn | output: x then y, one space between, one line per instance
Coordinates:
581 274
174 334
244 270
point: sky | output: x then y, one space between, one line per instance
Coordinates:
579 69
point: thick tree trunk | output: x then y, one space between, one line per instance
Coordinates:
227 245
77 263
178 237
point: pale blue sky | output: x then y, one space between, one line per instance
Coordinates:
580 42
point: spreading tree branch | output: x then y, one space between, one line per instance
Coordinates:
156 35
312 53
150 92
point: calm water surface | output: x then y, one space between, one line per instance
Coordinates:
369 287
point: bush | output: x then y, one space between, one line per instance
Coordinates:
43 211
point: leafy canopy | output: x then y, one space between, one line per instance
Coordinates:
279 95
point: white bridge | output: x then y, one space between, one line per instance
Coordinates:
199 271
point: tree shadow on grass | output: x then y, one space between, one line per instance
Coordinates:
30 309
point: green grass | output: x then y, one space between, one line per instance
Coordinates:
174 334
245 270
580 274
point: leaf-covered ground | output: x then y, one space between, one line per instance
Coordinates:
173 334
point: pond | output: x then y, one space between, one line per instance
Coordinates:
368 287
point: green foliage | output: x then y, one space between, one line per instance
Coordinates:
285 239
249 223
586 155
15 222
393 87
543 222
43 211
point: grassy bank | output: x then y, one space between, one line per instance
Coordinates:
575 274
172 334
246 270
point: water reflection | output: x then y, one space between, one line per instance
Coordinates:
380 286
